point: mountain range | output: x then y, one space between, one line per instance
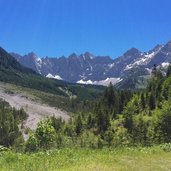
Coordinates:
87 68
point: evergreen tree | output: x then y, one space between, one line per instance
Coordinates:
111 96
143 103
168 74
152 102
100 121
79 125
9 120
58 124
103 121
90 121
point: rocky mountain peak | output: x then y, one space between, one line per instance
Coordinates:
88 55
131 52
31 55
156 49
168 45
73 56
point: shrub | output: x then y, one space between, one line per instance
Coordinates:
45 134
43 138
117 134
166 147
2 148
31 144
88 139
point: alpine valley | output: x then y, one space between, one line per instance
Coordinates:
56 124
130 70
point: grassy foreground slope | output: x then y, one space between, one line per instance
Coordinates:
128 159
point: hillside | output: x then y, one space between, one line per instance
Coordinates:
13 72
35 109
39 96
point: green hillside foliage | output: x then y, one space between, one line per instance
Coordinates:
87 129
9 120
121 118
7 62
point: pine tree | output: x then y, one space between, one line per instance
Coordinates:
168 74
142 101
100 121
152 102
79 125
90 121
111 97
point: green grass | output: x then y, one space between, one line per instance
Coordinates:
127 159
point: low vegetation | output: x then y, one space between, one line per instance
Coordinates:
68 159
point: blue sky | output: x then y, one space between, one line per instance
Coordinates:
103 27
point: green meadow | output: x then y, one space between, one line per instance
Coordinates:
126 159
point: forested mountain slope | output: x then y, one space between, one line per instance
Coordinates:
121 118
13 72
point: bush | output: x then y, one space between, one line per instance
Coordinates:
45 134
2 148
63 141
31 144
162 123
43 138
88 140
117 134
166 147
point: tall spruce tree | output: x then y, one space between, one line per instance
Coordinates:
168 74
152 104
79 125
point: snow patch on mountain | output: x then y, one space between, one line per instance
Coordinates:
144 60
149 70
54 77
111 65
39 60
49 76
130 66
105 82
58 77
165 64
84 82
